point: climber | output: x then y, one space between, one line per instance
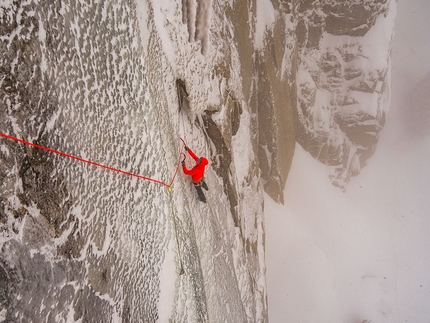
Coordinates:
197 173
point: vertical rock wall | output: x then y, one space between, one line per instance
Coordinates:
269 89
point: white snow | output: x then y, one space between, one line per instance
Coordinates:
42 39
3 313
241 148
265 18
4 150
5 3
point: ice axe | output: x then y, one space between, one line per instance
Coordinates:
185 145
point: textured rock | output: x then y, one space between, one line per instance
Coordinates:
81 78
352 18
343 81
60 68
271 96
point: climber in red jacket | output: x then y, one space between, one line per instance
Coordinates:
197 173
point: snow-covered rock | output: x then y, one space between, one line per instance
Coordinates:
343 81
101 81
118 83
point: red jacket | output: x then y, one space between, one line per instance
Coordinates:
198 171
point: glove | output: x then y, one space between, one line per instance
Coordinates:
183 160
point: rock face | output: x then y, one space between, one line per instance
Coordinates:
62 85
117 83
325 65
269 91
275 104
343 81
352 18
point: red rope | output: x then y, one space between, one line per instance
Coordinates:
91 162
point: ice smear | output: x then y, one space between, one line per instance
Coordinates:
290 41
203 23
189 17
241 148
265 18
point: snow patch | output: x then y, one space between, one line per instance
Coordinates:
3 312
265 19
242 149
42 39
5 150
